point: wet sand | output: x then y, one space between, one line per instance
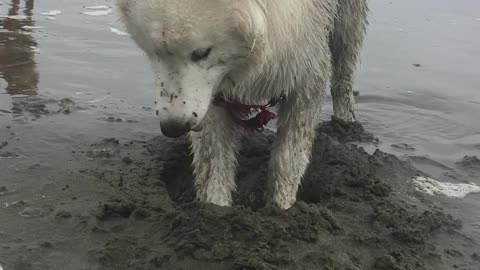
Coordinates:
87 182
127 204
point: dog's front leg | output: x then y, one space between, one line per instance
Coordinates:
291 152
214 158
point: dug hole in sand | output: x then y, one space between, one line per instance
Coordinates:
355 211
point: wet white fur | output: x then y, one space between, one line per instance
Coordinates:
261 49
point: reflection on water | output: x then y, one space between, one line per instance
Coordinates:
17 50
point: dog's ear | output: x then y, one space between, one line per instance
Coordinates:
250 20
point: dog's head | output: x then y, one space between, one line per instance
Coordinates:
193 46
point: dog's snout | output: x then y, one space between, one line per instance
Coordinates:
174 129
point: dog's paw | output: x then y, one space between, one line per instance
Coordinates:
281 200
220 198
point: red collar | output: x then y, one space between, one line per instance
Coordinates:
238 111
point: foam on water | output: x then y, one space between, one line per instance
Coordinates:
27 27
433 187
15 17
98 100
52 13
35 49
97 7
98 12
118 31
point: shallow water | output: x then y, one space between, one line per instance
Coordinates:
434 107
419 85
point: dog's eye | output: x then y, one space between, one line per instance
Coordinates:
201 54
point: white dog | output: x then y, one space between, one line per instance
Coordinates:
211 57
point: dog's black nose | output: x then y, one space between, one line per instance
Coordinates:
174 129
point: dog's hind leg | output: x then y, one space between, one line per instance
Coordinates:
214 158
291 151
345 44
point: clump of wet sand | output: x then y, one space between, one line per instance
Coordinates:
470 163
356 211
36 107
